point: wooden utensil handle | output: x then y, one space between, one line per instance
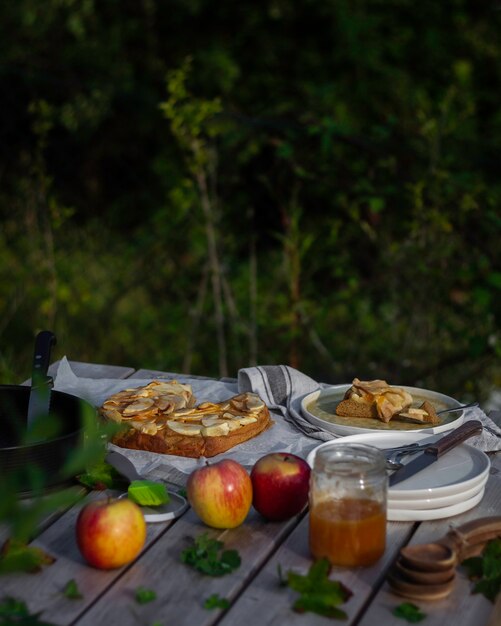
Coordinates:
457 436
473 533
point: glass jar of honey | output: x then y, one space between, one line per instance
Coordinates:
348 495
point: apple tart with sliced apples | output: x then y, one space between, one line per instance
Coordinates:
162 417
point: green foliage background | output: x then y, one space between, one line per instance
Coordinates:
200 186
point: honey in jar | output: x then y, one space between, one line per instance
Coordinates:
348 532
348 505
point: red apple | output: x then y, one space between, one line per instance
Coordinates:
280 484
220 494
110 533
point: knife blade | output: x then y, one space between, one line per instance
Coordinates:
41 383
435 450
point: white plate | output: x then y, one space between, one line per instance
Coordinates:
319 409
461 469
437 502
165 512
421 515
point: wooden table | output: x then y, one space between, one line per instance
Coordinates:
253 590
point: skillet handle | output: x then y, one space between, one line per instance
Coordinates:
41 358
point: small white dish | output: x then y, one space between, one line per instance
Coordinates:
461 469
319 409
176 506
422 515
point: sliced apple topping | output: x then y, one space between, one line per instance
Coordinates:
216 430
139 406
247 419
210 420
254 402
190 430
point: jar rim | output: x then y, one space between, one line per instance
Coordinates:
348 457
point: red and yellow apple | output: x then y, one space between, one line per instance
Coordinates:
280 485
220 493
110 533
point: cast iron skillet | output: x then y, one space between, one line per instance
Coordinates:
46 457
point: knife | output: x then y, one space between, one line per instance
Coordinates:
41 384
435 450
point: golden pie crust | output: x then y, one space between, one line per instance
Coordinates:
161 417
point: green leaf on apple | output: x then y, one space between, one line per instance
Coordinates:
216 602
14 611
148 493
71 590
17 556
208 557
319 594
143 595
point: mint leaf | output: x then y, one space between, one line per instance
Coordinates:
143 595
486 570
14 612
409 612
488 587
216 602
474 567
71 590
207 556
319 594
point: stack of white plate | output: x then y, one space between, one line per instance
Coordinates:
453 484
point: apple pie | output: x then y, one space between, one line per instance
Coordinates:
162 417
379 400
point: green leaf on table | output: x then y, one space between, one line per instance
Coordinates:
409 612
485 570
71 590
148 493
143 595
17 556
216 602
207 556
319 594
14 612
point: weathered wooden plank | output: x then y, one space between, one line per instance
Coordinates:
43 591
265 603
181 591
461 608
